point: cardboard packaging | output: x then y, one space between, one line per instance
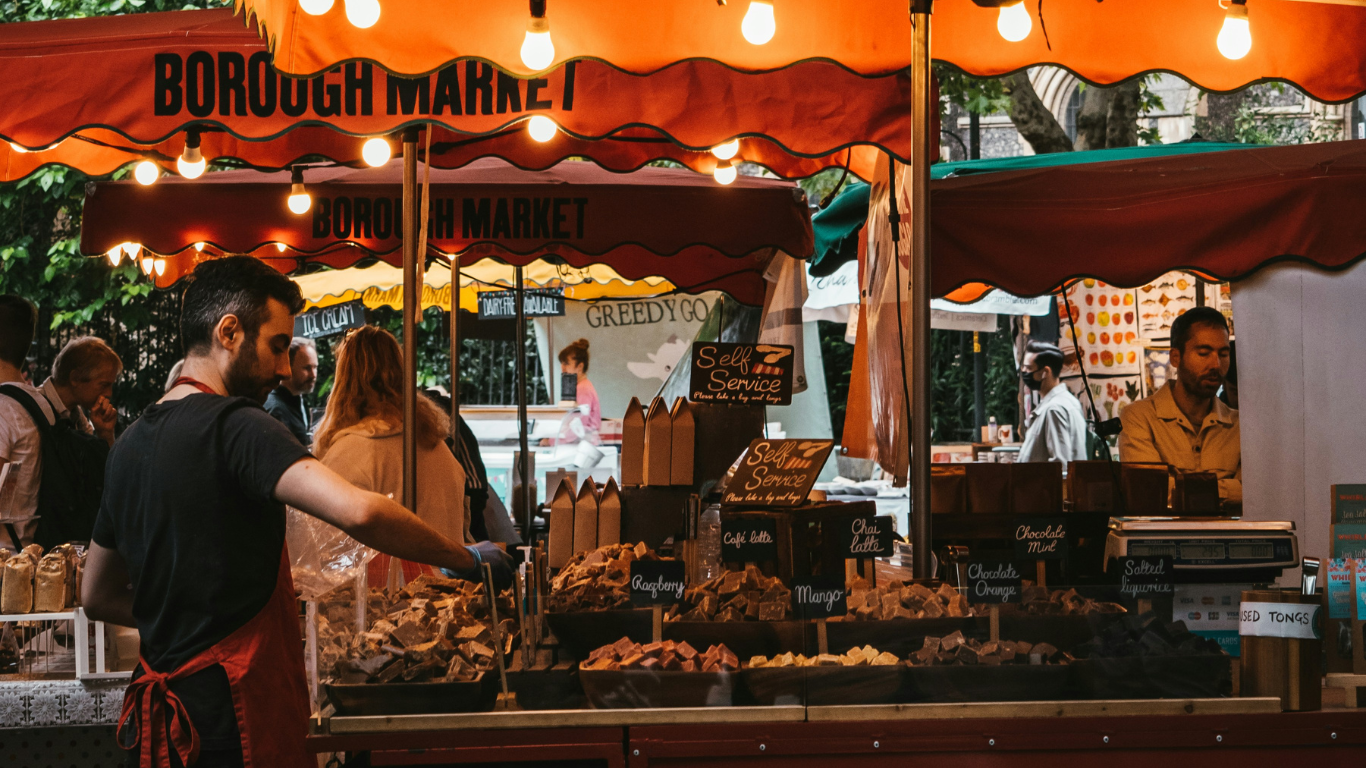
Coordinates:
1348 539
586 518
1091 486
684 434
1035 488
561 526
1195 493
1145 488
633 444
609 514
988 488
1349 504
1358 598
658 443
948 491
1339 644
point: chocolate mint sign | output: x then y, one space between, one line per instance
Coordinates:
322 322
776 473
748 539
657 582
749 374
864 537
541 302
1141 577
993 581
1041 538
818 597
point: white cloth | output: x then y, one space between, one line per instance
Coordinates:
20 444
369 455
1056 431
783 302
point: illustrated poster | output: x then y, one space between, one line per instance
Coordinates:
1107 328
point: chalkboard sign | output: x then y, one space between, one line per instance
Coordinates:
749 374
863 537
540 302
322 322
1041 538
748 539
993 581
818 597
657 582
776 473
1145 576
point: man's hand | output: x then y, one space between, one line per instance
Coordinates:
498 560
106 590
373 520
103 417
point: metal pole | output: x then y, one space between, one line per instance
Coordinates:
412 303
525 469
921 111
455 346
979 393
974 136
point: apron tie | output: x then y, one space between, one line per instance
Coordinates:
145 702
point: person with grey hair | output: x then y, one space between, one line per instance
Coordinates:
81 384
286 402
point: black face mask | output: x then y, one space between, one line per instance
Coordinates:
1030 381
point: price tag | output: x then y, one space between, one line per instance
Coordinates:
657 582
818 597
993 581
1293 620
758 374
748 539
867 537
1041 538
776 473
1142 577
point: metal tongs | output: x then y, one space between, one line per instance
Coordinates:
1309 575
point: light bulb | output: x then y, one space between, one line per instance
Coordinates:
148 264
541 128
316 7
1235 39
199 247
1014 22
362 13
538 51
759 25
146 172
190 163
115 255
376 152
726 151
131 250
160 266
280 247
724 173
299 199
18 149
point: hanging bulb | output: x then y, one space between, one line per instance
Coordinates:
1014 23
758 26
538 51
726 151
191 161
1235 39
724 173
376 152
115 255
131 250
316 7
299 199
146 172
199 247
160 266
541 128
280 247
18 148
362 13
148 264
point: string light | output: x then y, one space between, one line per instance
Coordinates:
191 161
316 7
148 264
541 128
160 266
759 25
18 148
376 152
146 172
725 172
299 199
727 150
131 250
1014 23
115 255
1235 38
199 247
538 51
280 247
362 13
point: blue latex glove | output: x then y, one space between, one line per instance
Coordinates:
500 563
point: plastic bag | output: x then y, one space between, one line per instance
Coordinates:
322 556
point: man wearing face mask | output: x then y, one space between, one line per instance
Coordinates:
1163 427
1056 430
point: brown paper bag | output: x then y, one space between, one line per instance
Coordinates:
684 433
658 444
1036 488
988 487
561 547
586 518
633 444
948 489
609 514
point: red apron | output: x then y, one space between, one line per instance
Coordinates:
264 662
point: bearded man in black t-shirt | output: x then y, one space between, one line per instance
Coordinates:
193 519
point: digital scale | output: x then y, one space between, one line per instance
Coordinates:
1208 549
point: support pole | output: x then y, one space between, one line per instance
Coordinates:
412 304
455 346
921 111
979 393
524 470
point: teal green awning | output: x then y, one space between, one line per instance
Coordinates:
837 226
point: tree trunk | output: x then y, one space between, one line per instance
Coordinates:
1093 117
1221 113
1121 124
1032 119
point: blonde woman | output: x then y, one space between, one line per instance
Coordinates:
360 437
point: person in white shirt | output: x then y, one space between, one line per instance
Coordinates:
81 385
20 445
1056 430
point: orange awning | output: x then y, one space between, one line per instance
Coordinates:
1319 46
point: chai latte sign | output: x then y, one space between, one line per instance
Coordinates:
657 582
776 473
748 374
863 537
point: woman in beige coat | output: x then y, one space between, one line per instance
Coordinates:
360 437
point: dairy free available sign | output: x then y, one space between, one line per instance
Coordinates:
1041 538
993 581
748 539
657 582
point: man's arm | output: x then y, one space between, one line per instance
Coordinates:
1136 441
106 590
373 520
